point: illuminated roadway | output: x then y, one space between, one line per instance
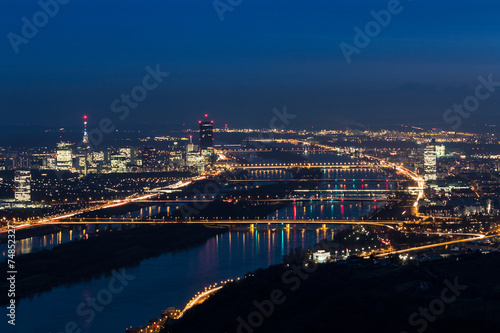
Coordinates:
385 224
430 246
109 204
197 300
380 163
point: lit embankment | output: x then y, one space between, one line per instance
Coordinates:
157 324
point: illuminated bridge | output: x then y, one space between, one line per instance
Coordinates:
257 150
344 165
159 201
380 180
382 223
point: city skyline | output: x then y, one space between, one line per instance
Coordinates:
250 166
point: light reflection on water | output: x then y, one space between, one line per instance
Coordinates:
37 243
164 281
49 241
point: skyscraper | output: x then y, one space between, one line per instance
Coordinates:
85 144
190 146
206 134
440 151
22 181
64 156
430 162
207 140
119 162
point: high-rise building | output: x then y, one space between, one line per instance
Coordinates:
430 162
207 140
175 159
195 160
98 156
64 156
50 163
148 156
119 162
206 134
440 151
190 146
16 159
130 152
22 181
85 145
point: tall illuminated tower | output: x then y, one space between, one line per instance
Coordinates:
22 190
85 142
430 162
190 145
206 133
207 140
64 156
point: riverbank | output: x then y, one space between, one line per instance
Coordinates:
351 298
35 230
85 259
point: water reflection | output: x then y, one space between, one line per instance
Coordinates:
324 211
49 241
164 281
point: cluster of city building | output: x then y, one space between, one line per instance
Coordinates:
461 170
84 159
78 160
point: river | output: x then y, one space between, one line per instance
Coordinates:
172 279
168 280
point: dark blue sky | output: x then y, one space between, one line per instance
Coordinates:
263 55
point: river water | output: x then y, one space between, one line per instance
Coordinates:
172 279
161 282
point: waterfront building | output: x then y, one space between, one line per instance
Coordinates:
321 256
22 181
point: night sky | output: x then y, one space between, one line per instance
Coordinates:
262 55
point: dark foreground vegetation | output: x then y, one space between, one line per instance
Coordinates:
454 295
86 259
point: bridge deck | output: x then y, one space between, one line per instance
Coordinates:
251 221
